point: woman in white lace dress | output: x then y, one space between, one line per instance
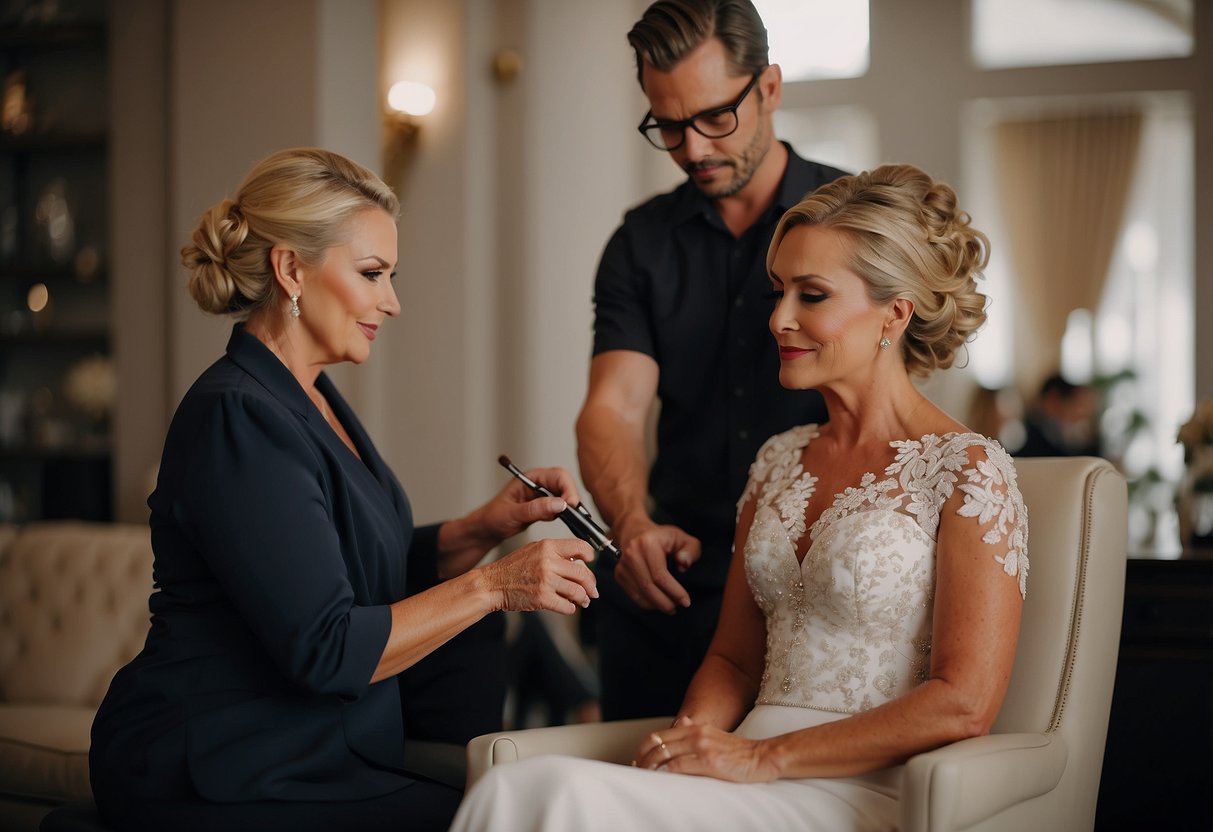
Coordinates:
873 609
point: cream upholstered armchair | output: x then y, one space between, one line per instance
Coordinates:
1039 767
73 609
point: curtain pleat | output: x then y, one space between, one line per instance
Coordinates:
1064 182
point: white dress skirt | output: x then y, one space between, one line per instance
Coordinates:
563 794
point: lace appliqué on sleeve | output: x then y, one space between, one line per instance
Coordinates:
991 495
931 469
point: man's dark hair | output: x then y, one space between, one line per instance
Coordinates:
672 29
1056 384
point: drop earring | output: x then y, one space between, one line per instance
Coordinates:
294 306
885 343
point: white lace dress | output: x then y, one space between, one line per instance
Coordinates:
848 629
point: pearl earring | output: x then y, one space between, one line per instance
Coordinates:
294 306
885 343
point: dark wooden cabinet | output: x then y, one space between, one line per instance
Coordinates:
56 374
1158 763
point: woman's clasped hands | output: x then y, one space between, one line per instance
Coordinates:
687 748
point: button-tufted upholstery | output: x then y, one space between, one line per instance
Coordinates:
73 609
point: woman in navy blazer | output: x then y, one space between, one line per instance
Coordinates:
294 596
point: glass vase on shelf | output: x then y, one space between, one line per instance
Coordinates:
1194 497
1194 505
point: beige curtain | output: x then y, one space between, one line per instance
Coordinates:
1064 180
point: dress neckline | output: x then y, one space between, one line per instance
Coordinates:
791 485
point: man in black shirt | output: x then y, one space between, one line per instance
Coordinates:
681 308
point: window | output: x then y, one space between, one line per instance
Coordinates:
812 39
844 137
1008 33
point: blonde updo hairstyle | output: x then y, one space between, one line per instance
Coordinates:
302 198
908 240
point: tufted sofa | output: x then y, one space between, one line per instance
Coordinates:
73 609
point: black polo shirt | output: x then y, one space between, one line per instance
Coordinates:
675 284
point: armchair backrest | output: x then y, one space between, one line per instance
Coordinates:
1065 664
73 608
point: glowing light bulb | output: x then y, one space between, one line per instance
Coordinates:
411 98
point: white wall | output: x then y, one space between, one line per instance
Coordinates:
512 192
138 245
202 90
241 87
438 382
583 154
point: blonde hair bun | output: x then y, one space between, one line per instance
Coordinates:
220 231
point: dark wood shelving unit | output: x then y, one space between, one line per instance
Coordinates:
55 458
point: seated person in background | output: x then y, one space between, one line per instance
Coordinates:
303 629
1061 420
873 609
997 413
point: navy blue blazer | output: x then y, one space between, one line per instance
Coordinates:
277 553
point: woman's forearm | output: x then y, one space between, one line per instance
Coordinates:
720 694
933 714
543 575
424 622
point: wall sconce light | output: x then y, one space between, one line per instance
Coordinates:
407 102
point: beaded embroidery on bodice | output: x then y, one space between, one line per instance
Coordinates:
850 627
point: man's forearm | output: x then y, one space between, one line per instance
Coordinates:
610 453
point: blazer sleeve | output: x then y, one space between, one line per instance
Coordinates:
423 558
256 503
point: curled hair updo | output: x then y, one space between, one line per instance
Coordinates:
302 198
907 239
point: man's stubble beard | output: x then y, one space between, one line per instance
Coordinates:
743 171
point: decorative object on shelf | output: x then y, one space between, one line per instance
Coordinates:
55 216
87 264
1194 498
39 302
90 386
16 112
49 429
12 417
89 389
37 12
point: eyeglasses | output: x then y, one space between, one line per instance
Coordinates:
712 124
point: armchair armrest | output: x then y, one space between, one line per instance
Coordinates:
966 782
614 742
